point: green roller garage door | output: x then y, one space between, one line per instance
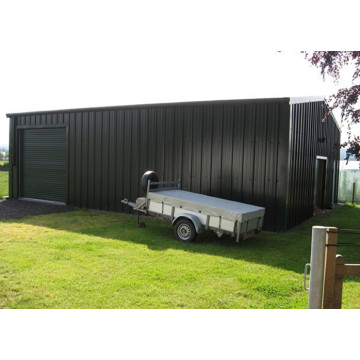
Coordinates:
43 170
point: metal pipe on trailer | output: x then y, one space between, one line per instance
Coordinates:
317 261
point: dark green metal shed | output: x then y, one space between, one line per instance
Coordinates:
276 153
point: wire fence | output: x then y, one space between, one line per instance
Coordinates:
348 244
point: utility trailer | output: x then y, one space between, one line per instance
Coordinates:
190 212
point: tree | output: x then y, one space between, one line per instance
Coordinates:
2 156
346 99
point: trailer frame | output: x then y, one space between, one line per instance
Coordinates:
168 204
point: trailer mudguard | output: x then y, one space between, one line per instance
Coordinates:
195 220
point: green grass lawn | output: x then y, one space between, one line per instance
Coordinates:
4 184
88 259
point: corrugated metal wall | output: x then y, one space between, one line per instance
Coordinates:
232 149
311 137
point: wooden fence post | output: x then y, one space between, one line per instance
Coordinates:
338 283
353 194
330 268
334 271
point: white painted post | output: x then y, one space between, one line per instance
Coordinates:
317 260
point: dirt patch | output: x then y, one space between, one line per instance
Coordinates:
17 209
318 211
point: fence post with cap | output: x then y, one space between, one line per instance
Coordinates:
317 260
330 268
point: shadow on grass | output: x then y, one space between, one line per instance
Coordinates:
290 250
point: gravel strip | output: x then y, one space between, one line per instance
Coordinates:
17 209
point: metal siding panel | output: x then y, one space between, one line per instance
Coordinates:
15 159
151 140
187 148
307 207
143 146
120 122
313 150
98 158
169 144
333 149
320 133
308 165
134 155
300 181
112 162
72 157
294 155
227 152
196 172
66 123
238 153
178 143
84 160
78 186
61 119
271 165
301 175
329 175
260 154
249 149
297 166
282 167
13 154
43 120
216 155
160 142
91 161
306 117
329 184
105 161
206 160
127 154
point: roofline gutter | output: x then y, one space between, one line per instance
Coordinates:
154 105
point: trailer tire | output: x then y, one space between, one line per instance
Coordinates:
149 175
184 230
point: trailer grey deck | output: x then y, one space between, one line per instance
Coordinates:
190 212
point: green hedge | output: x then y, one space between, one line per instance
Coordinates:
4 166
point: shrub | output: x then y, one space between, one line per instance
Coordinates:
4 166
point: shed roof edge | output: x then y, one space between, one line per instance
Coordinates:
139 106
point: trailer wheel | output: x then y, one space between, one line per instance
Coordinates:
184 230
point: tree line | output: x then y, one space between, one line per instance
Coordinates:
4 156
